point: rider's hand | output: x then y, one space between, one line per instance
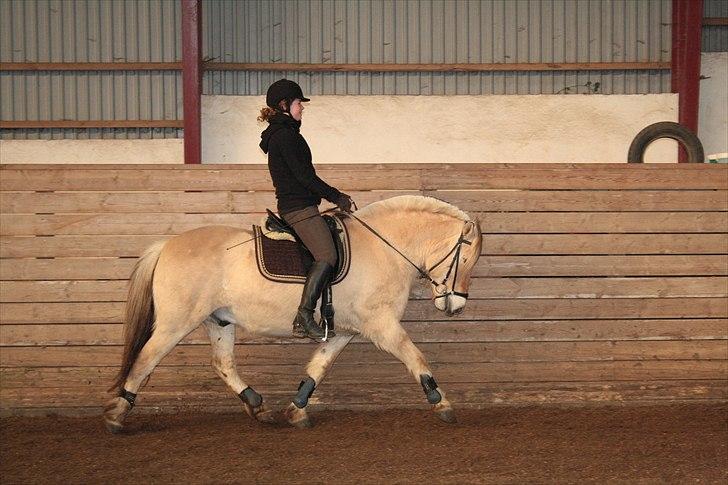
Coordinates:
344 203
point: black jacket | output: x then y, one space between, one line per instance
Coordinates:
289 161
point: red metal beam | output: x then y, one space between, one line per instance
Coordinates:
192 78
687 18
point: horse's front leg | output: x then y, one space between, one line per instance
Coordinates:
317 368
394 339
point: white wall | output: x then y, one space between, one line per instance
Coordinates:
401 129
451 129
92 151
713 115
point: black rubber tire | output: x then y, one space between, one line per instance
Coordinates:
666 129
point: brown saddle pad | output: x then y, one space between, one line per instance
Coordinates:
289 261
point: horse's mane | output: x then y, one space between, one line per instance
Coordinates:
413 203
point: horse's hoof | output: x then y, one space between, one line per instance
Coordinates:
261 414
297 417
266 416
447 416
114 413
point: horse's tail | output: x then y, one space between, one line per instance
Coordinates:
139 311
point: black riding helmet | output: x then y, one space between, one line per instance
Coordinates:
283 89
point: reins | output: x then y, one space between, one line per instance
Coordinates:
425 274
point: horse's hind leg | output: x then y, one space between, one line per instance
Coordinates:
394 339
168 331
222 339
317 368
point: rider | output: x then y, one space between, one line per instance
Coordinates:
299 192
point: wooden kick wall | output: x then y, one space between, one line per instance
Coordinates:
596 283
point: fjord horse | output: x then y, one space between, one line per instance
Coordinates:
203 277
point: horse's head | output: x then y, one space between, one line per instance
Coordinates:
452 271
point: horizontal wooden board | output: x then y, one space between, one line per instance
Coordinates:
487 266
190 377
52 334
491 223
272 355
609 287
84 400
487 200
370 177
488 309
573 176
187 202
493 244
614 200
622 266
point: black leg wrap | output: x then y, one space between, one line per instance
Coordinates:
430 387
249 396
305 389
129 396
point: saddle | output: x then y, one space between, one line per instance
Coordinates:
282 257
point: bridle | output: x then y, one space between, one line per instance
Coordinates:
425 274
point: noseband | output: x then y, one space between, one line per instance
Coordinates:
425 274
454 263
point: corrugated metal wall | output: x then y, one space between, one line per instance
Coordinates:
90 31
316 31
715 37
437 31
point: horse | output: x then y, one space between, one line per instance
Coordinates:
205 277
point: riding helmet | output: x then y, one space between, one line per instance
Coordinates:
283 89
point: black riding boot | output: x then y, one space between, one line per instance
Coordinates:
304 325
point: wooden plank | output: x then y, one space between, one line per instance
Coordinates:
76 246
487 266
62 291
567 244
491 223
438 331
267 356
67 268
85 124
469 200
609 287
604 222
489 309
135 202
504 200
200 376
76 400
111 224
91 66
232 178
575 176
622 266
647 287
373 177
499 244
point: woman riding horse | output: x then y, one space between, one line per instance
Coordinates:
299 192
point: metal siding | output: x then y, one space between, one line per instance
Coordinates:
336 31
440 31
90 31
715 37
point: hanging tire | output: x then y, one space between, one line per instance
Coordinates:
666 129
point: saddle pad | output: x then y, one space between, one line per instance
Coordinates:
289 261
